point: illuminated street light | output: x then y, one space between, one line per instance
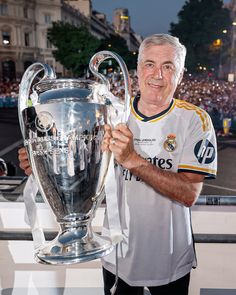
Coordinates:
217 42
234 23
224 31
124 17
109 45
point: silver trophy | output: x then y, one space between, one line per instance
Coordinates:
62 123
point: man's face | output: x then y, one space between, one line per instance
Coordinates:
158 75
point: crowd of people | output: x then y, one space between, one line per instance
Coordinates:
8 94
217 97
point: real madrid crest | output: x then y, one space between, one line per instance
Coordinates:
170 143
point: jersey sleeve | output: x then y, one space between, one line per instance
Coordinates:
199 154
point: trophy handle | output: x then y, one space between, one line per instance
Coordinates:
94 64
25 85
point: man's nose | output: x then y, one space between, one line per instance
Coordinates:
158 73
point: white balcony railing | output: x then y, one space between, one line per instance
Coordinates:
214 226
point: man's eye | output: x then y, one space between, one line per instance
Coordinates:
149 65
168 67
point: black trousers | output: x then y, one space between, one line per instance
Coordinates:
179 287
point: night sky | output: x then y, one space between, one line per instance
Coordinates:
147 16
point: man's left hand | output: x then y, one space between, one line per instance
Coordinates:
121 144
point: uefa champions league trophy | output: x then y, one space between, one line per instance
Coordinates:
62 123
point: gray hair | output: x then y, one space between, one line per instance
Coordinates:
165 39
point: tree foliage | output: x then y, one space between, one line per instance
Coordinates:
200 23
118 44
74 46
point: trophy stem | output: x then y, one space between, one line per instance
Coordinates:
75 243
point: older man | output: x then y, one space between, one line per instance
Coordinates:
166 150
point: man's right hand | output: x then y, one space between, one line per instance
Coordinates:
24 161
106 138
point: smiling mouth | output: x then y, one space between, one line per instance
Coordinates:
157 86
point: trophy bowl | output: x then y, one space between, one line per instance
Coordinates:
63 138
62 123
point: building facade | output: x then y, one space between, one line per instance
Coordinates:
23 33
232 8
24 25
121 22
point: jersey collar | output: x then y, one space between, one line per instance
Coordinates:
141 117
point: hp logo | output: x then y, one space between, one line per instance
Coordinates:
204 152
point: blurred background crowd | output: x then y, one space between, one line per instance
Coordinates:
217 97
8 94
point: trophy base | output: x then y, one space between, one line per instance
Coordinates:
77 251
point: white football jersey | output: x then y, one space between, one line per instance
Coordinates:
158 246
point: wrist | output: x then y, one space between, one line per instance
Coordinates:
133 161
